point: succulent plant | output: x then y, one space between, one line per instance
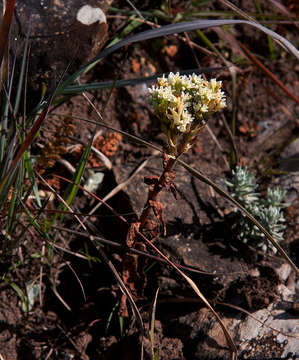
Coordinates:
267 211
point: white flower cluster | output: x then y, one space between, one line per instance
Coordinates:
180 100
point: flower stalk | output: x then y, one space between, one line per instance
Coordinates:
182 104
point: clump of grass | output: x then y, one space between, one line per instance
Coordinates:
268 211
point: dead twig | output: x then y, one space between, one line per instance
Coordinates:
268 73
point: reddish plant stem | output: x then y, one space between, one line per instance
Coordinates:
155 190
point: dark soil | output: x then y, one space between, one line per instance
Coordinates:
76 314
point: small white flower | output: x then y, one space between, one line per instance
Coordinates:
179 100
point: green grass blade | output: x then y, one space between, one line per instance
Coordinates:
14 214
127 30
73 188
173 29
111 315
270 43
8 155
22 74
25 145
32 178
75 89
22 295
13 201
5 115
79 173
152 326
34 223
5 192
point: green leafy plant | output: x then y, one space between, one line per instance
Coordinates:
268 211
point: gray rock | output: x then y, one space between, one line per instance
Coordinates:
272 332
250 328
290 183
61 33
289 157
289 162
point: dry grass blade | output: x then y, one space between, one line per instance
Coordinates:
59 297
282 9
238 10
133 138
268 72
218 146
115 244
103 158
135 9
80 256
256 319
5 26
189 280
189 26
119 187
61 199
78 279
227 335
83 356
126 292
152 325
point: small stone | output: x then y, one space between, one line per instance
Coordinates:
254 272
88 15
284 271
285 293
